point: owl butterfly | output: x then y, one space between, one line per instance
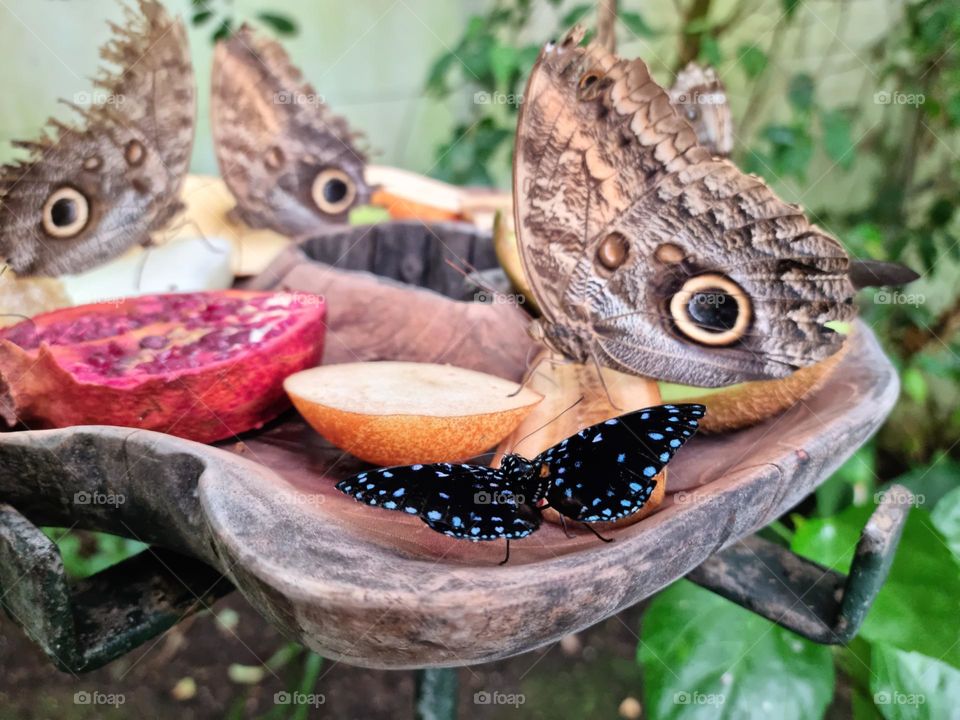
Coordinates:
90 191
290 163
649 255
700 97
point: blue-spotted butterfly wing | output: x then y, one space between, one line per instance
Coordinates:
607 471
472 502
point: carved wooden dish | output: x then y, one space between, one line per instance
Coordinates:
380 589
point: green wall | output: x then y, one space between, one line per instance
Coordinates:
369 58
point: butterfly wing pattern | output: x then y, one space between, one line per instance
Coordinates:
91 190
607 471
471 502
700 97
646 252
604 472
291 164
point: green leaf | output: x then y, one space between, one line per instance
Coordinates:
792 150
914 385
223 31
698 26
941 212
281 24
753 60
946 518
922 594
837 138
636 24
201 17
710 50
437 77
854 479
932 482
911 685
705 657
790 7
503 64
801 90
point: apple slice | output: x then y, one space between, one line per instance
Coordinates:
400 413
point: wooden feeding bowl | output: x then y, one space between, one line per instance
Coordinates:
380 589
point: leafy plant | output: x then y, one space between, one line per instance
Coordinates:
219 15
888 151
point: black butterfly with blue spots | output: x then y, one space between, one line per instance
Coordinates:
604 472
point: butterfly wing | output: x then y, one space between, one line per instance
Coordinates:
291 164
471 502
700 98
90 191
626 224
607 471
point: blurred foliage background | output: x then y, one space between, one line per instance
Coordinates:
850 107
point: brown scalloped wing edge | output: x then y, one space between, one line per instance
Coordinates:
150 32
276 72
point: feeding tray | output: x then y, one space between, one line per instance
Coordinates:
381 589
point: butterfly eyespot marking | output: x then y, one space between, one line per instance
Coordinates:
65 213
274 158
669 254
333 191
134 153
613 251
693 113
92 163
589 85
712 310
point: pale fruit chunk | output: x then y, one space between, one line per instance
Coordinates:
401 413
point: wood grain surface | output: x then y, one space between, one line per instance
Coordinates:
380 589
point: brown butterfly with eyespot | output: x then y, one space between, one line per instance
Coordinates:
90 191
647 253
291 164
700 97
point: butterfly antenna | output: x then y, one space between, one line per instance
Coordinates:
534 432
190 222
16 315
147 248
471 274
599 536
528 375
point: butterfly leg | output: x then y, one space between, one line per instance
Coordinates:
507 557
563 524
546 357
603 382
599 536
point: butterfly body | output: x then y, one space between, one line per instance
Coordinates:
604 472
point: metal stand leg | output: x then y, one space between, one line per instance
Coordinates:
436 694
